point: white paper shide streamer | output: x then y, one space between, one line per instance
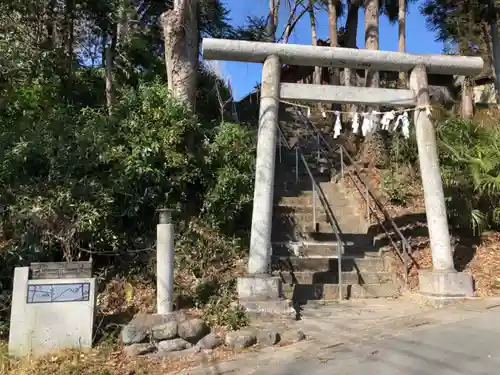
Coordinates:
386 120
338 126
371 121
366 126
374 122
355 123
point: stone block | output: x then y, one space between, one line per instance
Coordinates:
211 341
156 327
173 345
50 314
292 336
268 337
272 307
240 339
446 284
192 330
259 288
135 350
165 331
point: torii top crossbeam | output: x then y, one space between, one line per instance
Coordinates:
337 57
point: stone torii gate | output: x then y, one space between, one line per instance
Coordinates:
444 281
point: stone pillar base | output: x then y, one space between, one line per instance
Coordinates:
445 285
263 294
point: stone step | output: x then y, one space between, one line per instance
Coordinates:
321 227
310 154
281 207
351 229
287 173
301 209
302 200
297 223
330 292
292 188
288 235
321 249
283 230
321 263
287 187
284 249
331 277
287 193
307 217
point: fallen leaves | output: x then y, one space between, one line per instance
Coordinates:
483 260
485 266
99 361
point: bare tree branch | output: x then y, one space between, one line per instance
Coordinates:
293 18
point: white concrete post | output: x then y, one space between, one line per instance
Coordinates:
260 237
164 263
437 221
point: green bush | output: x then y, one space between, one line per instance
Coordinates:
74 180
470 166
231 156
403 151
395 187
80 179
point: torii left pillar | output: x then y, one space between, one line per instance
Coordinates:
259 291
260 237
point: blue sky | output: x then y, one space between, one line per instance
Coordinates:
244 76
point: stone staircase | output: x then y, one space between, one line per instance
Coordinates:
305 256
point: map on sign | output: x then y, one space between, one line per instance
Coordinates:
47 293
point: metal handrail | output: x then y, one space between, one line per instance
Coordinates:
316 189
406 247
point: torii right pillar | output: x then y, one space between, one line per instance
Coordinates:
443 282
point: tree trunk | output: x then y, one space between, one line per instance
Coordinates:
351 33
402 38
122 26
317 69
50 24
68 47
108 73
372 37
332 23
373 142
293 18
272 23
334 41
107 64
495 41
350 75
180 30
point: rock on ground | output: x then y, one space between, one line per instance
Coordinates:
132 334
165 331
210 341
240 339
292 336
192 330
177 354
173 345
268 337
138 349
142 325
